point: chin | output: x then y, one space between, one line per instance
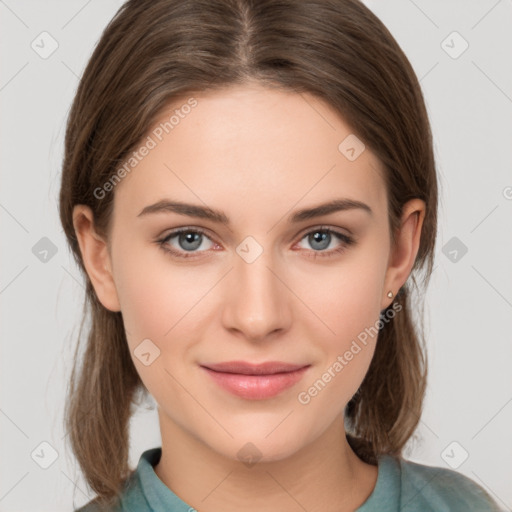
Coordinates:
261 447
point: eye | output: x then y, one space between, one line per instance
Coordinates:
322 237
187 241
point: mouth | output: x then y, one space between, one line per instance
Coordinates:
255 381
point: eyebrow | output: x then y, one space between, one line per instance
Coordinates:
204 212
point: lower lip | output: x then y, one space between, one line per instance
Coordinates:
256 387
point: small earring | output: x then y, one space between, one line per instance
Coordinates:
390 294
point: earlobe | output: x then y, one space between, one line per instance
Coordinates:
403 254
96 257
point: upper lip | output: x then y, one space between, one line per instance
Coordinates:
244 368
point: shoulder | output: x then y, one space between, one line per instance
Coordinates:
133 496
436 488
130 495
95 506
92 506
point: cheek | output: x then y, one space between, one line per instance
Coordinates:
349 304
349 299
166 304
156 295
346 354
157 305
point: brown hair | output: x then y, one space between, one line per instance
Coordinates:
154 51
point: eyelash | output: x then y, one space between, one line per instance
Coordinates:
346 239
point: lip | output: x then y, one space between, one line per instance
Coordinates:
244 368
255 381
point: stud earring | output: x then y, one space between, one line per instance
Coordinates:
390 294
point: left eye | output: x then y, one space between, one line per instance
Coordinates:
190 240
320 239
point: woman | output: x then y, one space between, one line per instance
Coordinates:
250 190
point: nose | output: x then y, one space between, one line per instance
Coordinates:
257 300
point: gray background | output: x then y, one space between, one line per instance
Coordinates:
468 409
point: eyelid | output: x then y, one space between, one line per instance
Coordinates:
325 227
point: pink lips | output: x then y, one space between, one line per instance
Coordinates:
255 381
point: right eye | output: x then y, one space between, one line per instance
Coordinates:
188 241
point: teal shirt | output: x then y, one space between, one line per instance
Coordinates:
402 486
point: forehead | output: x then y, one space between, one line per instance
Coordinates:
251 146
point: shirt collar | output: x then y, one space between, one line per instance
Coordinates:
159 497
385 496
386 493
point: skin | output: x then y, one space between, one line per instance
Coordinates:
258 155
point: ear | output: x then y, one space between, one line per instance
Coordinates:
403 254
96 257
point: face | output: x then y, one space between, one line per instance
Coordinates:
261 281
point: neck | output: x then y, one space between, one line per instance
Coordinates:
326 475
